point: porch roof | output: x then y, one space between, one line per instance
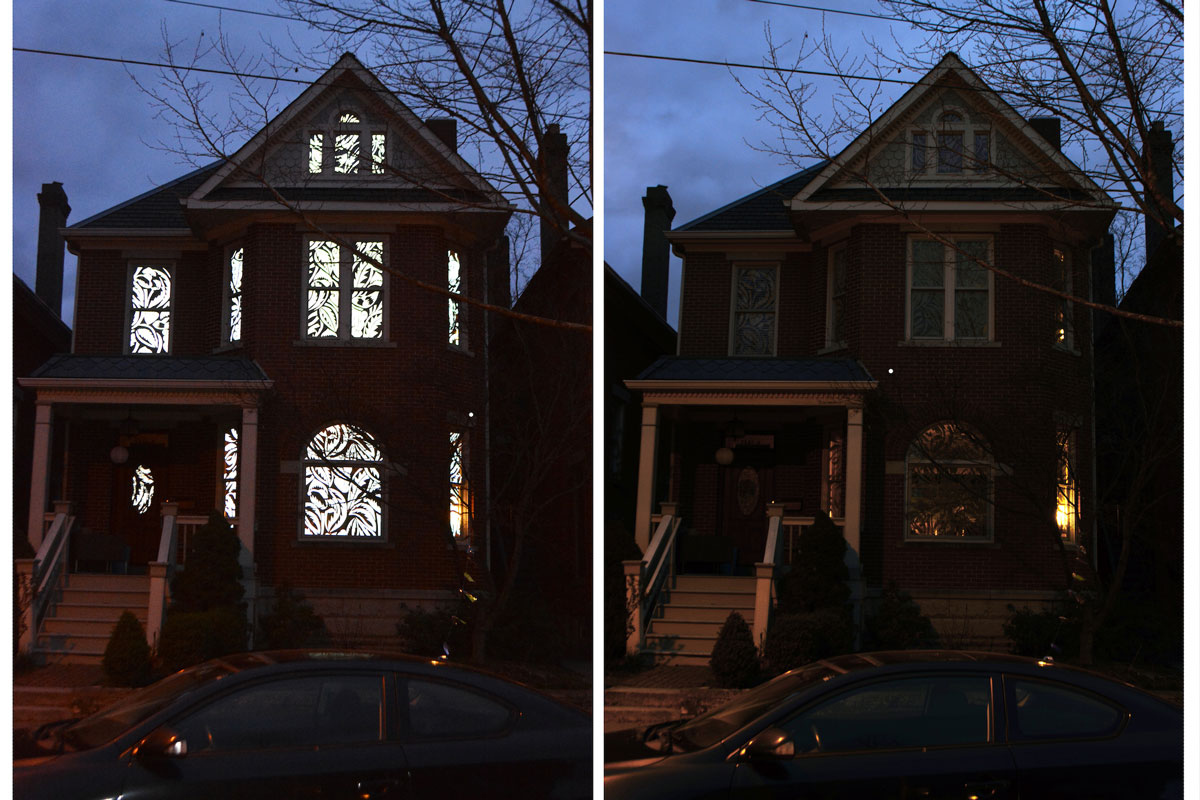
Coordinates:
150 368
789 370
170 380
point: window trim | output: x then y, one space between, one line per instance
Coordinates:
987 467
366 132
172 319
835 251
345 298
931 148
227 296
737 267
949 290
302 490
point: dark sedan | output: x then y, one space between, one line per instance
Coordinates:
316 724
936 725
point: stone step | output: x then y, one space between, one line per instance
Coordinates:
674 612
715 583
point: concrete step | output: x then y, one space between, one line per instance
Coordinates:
684 627
131 598
715 583
725 600
675 612
91 611
74 626
108 582
676 657
676 644
71 648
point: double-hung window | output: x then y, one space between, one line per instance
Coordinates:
345 291
949 289
343 484
755 310
949 472
151 303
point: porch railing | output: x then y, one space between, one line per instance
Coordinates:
163 567
43 574
644 578
764 575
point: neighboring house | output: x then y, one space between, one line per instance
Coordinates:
238 348
871 360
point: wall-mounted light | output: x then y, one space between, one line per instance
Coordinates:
119 454
724 456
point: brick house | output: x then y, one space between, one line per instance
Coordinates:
860 340
265 337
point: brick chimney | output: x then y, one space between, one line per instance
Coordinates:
445 129
1159 156
656 250
53 216
553 173
1050 129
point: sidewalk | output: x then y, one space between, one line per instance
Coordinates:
660 694
60 691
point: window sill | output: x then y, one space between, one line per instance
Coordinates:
343 542
1071 351
454 348
353 343
831 348
944 343
989 544
229 347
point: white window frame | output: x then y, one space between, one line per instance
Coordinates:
172 318
733 307
949 256
932 148
832 343
986 466
379 465
345 295
1064 310
365 131
227 295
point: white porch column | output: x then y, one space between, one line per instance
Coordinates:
40 478
247 470
646 464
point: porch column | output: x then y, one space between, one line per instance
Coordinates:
853 513
40 478
247 469
646 462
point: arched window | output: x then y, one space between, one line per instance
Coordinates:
343 485
359 147
952 145
949 470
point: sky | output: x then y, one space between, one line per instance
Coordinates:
689 127
85 123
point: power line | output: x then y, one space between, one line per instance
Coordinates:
798 71
237 10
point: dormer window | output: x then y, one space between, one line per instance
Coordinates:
952 147
350 147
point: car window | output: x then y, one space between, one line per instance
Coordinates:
1045 710
442 710
929 711
310 711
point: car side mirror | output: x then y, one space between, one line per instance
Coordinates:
161 746
773 744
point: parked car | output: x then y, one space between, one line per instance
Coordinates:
912 725
316 724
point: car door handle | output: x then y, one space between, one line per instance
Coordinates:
985 789
381 787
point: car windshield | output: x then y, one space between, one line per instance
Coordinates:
102 727
711 727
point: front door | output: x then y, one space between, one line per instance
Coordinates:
748 486
139 489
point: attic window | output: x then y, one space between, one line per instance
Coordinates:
953 146
350 147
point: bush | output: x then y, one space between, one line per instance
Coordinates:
432 633
292 622
898 623
819 577
1041 633
191 637
127 657
798 639
211 576
734 659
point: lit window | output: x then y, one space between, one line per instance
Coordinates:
460 509
1064 329
454 284
233 301
949 497
357 149
345 294
1066 510
754 311
949 297
342 485
150 303
834 478
143 489
835 333
230 473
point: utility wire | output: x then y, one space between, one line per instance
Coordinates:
816 73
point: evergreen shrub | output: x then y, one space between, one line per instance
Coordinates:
898 623
734 658
798 639
126 659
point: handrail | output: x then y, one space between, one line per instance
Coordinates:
764 578
160 573
48 567
660 558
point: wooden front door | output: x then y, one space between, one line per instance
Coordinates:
747 490
139 489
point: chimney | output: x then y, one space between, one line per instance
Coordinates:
1159 155
553 184
53 216
1050 129
445 129
656 250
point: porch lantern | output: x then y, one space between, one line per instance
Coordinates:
119 454
724 456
